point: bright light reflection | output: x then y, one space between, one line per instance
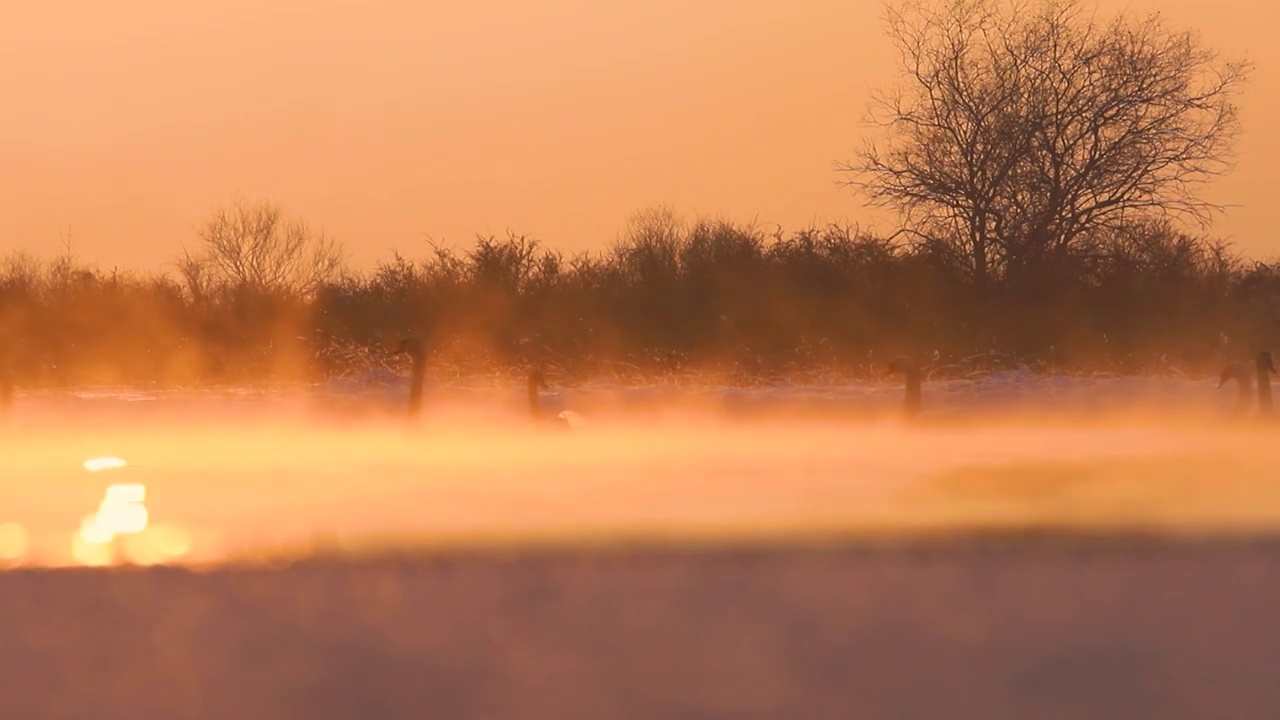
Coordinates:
121 526
121 513
90 553
13 542
104 463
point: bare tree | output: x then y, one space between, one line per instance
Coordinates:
1020 129
254 245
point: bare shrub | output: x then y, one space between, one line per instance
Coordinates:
670 296
253 245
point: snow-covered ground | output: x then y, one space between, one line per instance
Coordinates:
233 470
1011 629
237 470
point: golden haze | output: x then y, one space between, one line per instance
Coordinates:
223 477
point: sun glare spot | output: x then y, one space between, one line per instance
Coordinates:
104 463
121 513
13 542
93 532
93 554
121 527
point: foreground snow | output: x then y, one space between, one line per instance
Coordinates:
1018 628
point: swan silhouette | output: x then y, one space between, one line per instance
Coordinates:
6 389
1264 368
906 367
416 349
8 376
1239 371
537 381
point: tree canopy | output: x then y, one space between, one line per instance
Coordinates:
1019 131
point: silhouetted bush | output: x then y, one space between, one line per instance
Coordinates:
667 296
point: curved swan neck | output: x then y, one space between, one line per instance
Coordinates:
416 350
416 383
912 375
1265 369
1239 372
535 383
419 368
415 388
911 402
6 380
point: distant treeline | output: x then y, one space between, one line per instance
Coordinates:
268 300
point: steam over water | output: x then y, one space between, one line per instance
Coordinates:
233 472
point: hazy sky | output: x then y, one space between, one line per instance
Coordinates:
125 122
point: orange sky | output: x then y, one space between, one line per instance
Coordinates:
390 121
